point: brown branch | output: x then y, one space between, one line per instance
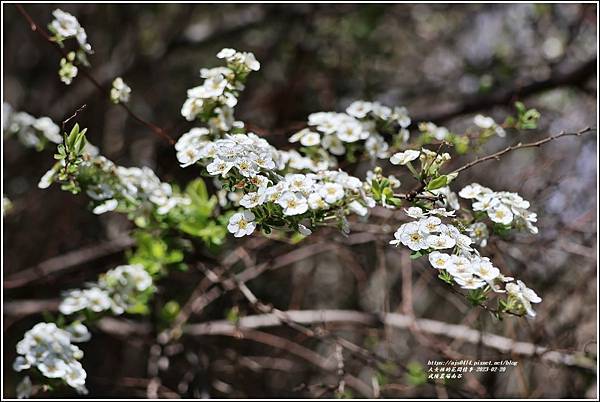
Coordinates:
37 28
498 154
65 262
577 76
399 321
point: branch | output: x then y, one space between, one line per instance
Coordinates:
399 321
498 154
37 28
574 77
65 262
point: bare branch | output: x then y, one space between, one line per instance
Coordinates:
65 262
400 321
498 154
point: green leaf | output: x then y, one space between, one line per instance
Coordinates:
438 182
416 254
415 374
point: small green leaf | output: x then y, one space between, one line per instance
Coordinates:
438 182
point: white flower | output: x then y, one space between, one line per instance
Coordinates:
191 108
78 332
501 214
469 282
253 199
64 24
485 270
106 206
315 201
67 71
350 131
402 158
430 224
120 91
299 182
479 233
76 375
472 191
377 147
358 208
47 179
246 167
333 144
439 260
293 203
440 242
275 192
98 300
359 109
412 237
303 230
53 367
219 167
311 138
484 121
212 87
73 302
440 133
20 364
188 156
226 53
242 224
331 192
525 295
415 212
50 130
249 60
486 202
460 267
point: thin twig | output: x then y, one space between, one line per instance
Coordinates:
520 145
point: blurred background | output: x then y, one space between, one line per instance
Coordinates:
444 63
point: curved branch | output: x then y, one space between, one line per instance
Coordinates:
498 154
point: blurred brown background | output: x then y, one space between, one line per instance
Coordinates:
444 63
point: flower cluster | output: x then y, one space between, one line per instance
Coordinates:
363 121
451 252
129 189
32 132
504 208
68 70
49 349
65 26
120 91
117 290
249 163
306 197
214 100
